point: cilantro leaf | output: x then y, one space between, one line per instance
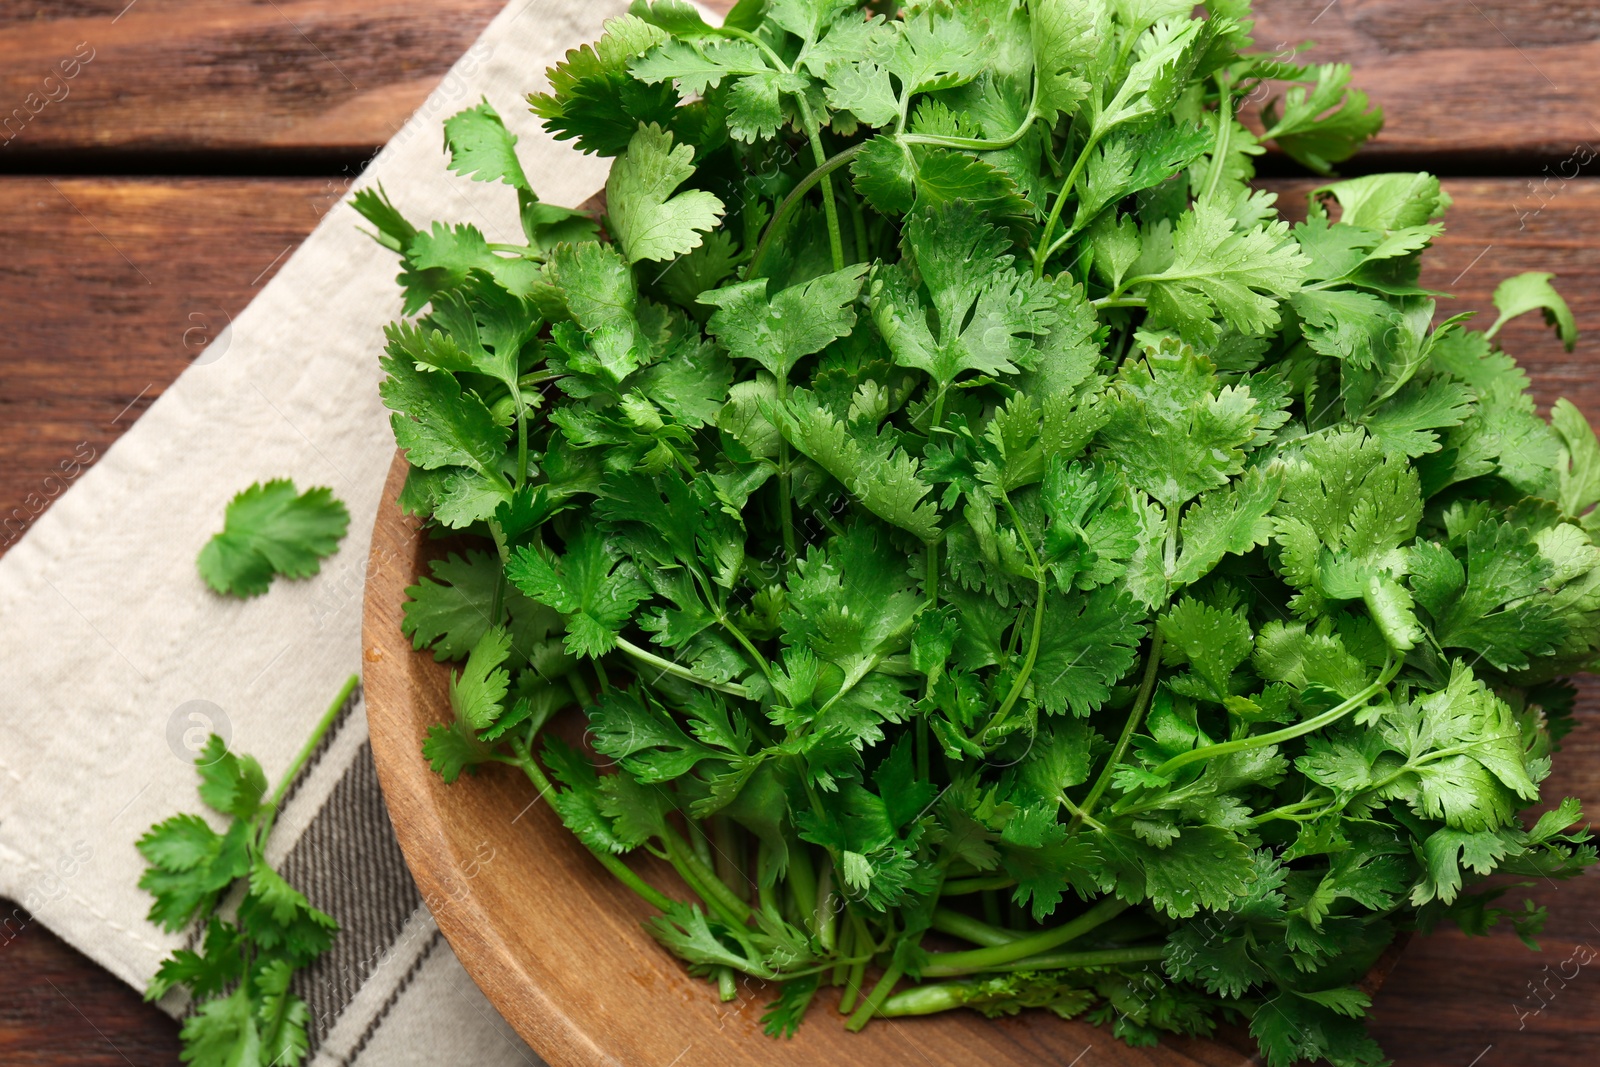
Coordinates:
1066 39
648 221
1175 429
1089 642
587 585
1217 271
1487 603
478 692
438 423
888 482
1227 521
1324 125
1533 292
1213 640
796 322
986 311
594 100
269 530
482 148
229 783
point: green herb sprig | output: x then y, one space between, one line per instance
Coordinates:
239 977
1003 564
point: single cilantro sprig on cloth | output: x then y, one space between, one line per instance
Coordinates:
239 976
270 530
1001 562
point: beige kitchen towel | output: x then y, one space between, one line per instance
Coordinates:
115 659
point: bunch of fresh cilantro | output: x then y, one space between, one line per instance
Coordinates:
1002 563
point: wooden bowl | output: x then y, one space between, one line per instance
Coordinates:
555 941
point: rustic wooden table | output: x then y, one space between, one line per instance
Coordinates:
159 158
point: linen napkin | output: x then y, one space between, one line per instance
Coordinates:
118 661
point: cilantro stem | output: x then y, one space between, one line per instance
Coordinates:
880 992
1119 302
980 144
1147 689
989 899
802 881
930 998
1288 733
579 687
1043 249
621 871
1414 764
962 886
701 842
946 964
674 669
535 378
498 597
766 49
862 948
1295 813
817 968
819 155
785 484
813 130
1100 957
522 433
1128 283
1219 151
926 999
786 208
324 724
1038 625
921 747
729 907
843 960
948 921
858 224
1078 813
766 884
825 916
739 635
727 863
727 984
931 602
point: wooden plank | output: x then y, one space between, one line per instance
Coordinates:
186 75
58 1007
1498 80
111 289
1491 82
87 335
